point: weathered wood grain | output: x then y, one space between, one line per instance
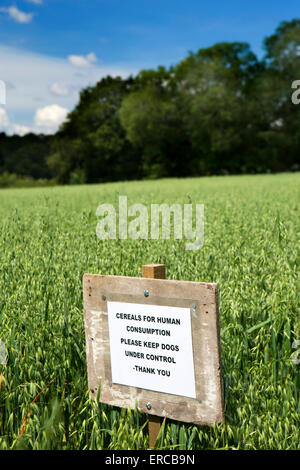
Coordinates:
154 271
207 408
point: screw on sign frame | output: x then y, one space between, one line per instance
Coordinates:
155 271
197 303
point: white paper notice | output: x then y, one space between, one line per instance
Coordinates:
151 347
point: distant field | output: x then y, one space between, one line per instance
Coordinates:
251 249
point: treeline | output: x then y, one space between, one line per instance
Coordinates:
219 111
25 156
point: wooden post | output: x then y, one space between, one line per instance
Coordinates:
154 271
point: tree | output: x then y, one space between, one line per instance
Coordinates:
282 61
92 141
153 125
283 48
220 110
212 86
25 156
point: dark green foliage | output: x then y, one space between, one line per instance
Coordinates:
92 142
219 111
25 156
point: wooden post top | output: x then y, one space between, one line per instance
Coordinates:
154 271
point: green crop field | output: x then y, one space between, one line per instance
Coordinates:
251 249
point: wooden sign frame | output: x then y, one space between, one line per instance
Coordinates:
202 299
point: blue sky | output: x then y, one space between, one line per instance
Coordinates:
50 49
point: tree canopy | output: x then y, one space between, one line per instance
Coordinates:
220 110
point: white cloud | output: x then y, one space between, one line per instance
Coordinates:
50 117
17 15
59 89
37 78
36 2
4 121
19 129
10 128
83 60
91 57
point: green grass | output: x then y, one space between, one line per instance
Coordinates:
48 241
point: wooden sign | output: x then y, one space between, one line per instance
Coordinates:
154 342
